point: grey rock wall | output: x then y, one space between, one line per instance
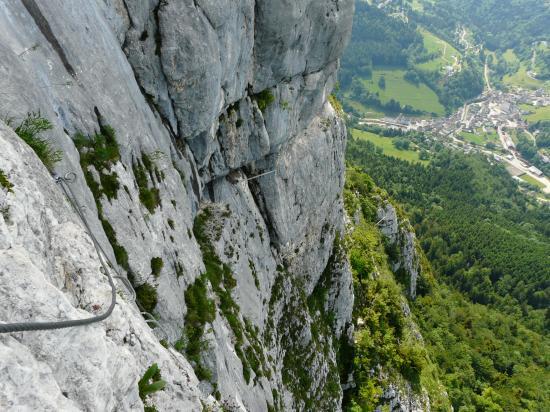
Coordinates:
50 271
401 236
402 398
215 92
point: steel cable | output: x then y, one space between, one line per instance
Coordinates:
34 326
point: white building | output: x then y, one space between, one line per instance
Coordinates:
535 171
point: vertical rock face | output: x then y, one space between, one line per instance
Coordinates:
228 187
401 237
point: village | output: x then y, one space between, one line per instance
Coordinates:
497 116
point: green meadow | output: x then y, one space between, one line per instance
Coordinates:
386 144
536 113
366 111
480 137
434 44
520 78
420 97
531 180
510 56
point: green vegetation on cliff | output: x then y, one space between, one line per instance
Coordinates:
4 182
31 130
388 349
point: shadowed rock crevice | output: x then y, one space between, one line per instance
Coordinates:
42 23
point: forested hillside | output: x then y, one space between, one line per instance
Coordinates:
428 74
478 230
482 307
512 34
378 40
499 24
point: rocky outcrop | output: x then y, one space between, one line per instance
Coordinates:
401 236
202 96
404 256
386 261
402 398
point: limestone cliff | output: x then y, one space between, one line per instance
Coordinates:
244 277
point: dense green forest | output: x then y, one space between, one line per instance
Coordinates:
479 231
484 313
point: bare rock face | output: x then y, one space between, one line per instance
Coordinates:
50 271
298 37
402 398
229 157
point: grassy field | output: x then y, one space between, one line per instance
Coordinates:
531 180
417 5
520 78
536 113
434 44
480 137
472 138
386 144
420 97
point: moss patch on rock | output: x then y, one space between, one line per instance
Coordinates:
101 152
156 266
147 176
4 182
147 297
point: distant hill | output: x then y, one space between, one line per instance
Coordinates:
513 33
499 24
443 45
394 65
